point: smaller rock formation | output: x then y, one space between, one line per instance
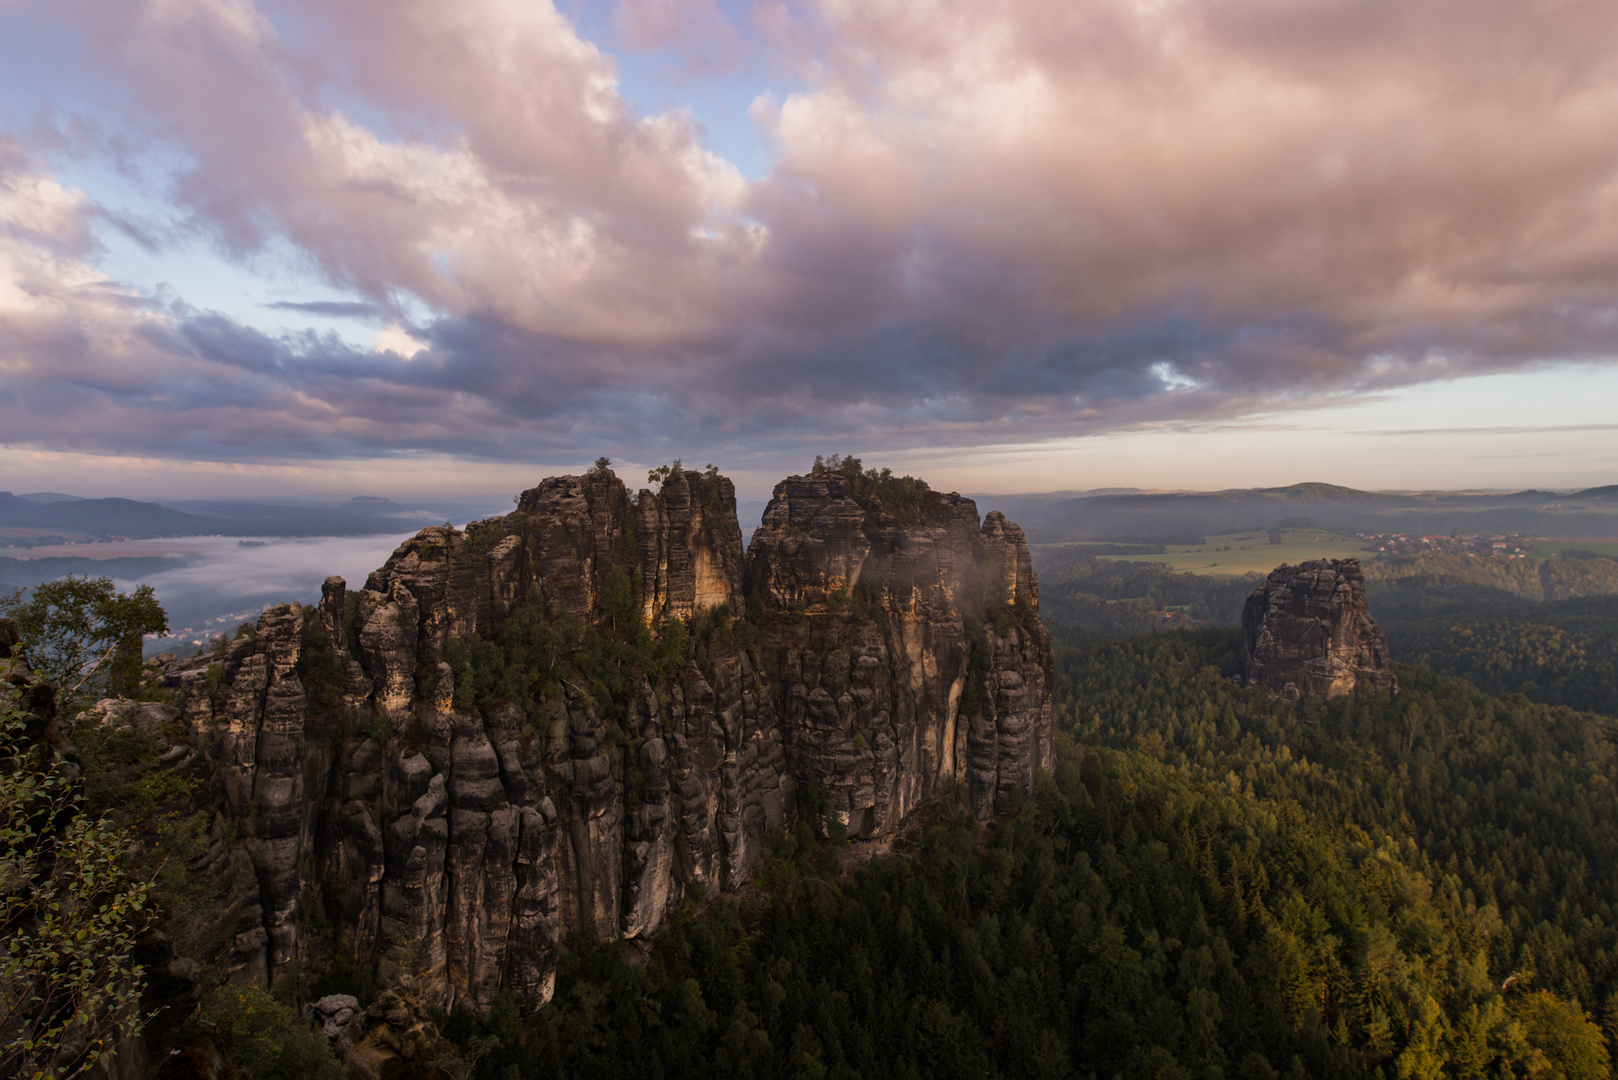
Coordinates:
394 1037
1308 630
332 1013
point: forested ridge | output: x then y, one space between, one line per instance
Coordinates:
1113 599
1213 883
1545 628
1110 598
1561 653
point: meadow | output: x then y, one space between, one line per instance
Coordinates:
1236 554
1544 549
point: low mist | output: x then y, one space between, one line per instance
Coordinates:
224 582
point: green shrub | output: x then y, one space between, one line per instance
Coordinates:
71 910
264 1038
901 496
319 668
379 729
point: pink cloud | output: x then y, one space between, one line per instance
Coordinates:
699 29
981 219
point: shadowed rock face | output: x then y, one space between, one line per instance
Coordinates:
872 707
386 822
1308 630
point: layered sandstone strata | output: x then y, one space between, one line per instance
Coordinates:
395 822
1308 630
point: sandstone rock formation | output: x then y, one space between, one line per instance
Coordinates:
1308 630
872 707
556 720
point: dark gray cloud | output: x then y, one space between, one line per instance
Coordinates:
333 309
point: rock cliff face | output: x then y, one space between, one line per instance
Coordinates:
1308 630
556 720
872 707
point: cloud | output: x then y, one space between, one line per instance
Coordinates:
984 225
705 36
1524 429
332 309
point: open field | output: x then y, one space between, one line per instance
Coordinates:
23 532
1236 554
1545 548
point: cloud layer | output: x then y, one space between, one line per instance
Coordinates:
984 223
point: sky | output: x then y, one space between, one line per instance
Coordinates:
271 247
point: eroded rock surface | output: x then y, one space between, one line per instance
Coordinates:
402 807
1308 630
910 620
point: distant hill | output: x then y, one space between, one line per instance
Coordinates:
371 504
1314 492
357 517
105 519
49 497
1179 517
101 518
30 572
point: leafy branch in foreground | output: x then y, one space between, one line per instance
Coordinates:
70 913
83 634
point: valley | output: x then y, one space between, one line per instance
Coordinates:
590 788
1239 554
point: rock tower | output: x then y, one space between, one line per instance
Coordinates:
555 721
1308 630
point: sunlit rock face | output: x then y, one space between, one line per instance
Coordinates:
886 624
1308 630
461 837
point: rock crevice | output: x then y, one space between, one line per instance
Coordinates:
399 812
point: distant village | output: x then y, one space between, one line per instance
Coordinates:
1505 545
210 629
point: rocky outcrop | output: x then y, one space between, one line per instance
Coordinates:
554 721
393 1037
1308 630
908 622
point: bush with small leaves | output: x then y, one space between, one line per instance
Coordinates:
71 909
263 1038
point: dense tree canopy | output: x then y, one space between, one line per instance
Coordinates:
1100 597
1561 653
1213 883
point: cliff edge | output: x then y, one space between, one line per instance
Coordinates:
556 720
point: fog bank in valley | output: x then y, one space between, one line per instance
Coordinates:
223 582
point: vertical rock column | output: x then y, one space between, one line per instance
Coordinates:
1308 630
260 755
